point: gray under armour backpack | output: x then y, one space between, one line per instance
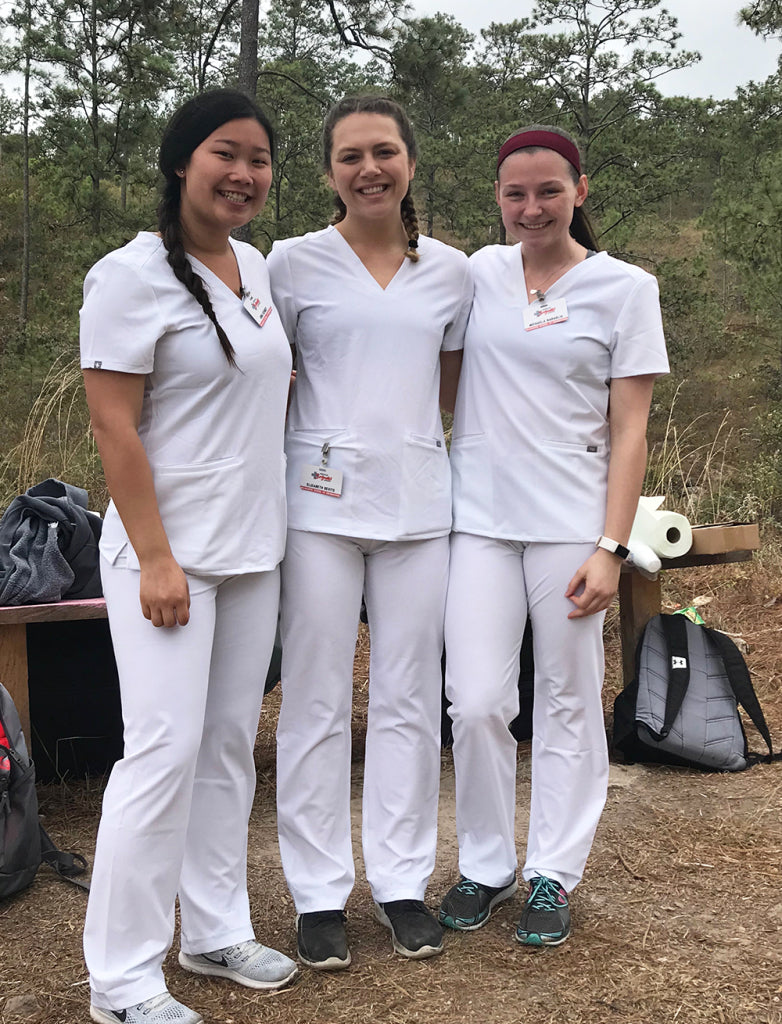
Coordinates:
682 706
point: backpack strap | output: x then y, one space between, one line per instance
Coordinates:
67 865
743 690
674 629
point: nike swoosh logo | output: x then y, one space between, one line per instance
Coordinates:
222 962
120 1014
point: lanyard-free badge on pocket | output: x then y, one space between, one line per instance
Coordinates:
321 479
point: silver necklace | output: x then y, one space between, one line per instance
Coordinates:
540 293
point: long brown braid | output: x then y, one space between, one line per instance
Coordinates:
388 108
410 221
171 231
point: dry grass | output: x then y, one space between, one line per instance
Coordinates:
678 918
56 440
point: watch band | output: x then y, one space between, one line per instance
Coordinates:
613 546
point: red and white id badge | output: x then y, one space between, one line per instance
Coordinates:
544 314
258 310
321 480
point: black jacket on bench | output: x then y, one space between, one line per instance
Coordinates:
49 546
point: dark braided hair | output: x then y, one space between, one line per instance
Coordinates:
388 108
581 227
193 122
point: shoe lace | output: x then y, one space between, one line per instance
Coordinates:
545 894
240 949
468 887
153 1005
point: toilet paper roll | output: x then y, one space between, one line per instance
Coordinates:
668 534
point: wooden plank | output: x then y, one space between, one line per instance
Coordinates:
13 671
639 600
722 558
57 611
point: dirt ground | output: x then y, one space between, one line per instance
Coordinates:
678 919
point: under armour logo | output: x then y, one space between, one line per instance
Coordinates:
678 662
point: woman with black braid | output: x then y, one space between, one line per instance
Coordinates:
372 309
186 368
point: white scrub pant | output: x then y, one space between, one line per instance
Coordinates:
176 807
404 584
493 585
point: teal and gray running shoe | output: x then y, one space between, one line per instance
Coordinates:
468 905
545 920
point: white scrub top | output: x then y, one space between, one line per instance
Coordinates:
368 377
213 433
530 444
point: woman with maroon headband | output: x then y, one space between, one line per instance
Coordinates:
545 485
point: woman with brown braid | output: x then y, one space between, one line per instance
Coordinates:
372 310
186 368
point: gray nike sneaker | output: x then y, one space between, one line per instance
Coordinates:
247 963
162 1009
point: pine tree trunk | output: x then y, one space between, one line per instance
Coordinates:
24 286
247 79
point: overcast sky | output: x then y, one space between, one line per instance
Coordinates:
730 55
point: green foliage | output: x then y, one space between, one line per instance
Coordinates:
610 48
430 81
763 17
745 216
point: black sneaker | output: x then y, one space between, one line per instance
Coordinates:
415 932
468 905
545 920
322 941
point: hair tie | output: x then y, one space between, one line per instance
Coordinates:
412 243
545 139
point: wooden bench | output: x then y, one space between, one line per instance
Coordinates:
13 643
641 598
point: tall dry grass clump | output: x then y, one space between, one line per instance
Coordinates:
56 440
695 472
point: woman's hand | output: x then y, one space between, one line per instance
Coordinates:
164 593
594 585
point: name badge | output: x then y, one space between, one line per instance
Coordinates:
256 308
321 480
544 314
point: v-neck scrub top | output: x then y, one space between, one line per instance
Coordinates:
368 376
213 434
530 444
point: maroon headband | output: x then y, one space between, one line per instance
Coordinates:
548 140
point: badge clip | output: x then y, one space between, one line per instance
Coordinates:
320 479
